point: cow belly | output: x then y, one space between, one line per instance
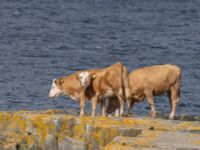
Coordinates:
160 90
74 96
109 93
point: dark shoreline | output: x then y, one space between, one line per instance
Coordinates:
75 112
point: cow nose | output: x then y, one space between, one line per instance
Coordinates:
87 83
49 96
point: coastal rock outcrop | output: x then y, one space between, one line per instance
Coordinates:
55 130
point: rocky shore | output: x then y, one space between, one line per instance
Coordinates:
56 130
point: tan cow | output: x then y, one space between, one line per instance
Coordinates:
70 86
153 81
110 81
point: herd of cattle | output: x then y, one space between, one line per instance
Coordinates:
119 86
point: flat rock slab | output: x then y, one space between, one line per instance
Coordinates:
151 140
177 140
55 130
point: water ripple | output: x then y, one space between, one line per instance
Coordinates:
42 40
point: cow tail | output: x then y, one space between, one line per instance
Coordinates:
125 82
178 83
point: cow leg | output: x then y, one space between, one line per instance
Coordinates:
121 102
175 96
103 109
82 105
150 99
170 100
129 105
94 105
117 112
174 100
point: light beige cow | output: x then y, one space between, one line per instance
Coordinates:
152 81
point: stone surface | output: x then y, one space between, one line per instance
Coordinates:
179 140
51 143
160 140
54 130
72 144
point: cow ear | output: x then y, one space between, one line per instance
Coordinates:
60 81
94 76
77 76
55 81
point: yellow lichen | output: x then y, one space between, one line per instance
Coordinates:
117 147
30 127
66 127
50 112
144 140
21 112
197 142
11 145
80 129
40 126
188 126
5 118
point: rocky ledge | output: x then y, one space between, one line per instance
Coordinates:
54 130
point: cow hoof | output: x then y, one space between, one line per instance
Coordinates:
93 115
128 115
117 115
171 117
122 115
152 114
109 115
103 115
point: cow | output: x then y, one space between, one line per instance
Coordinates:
71 86
110 81
151 81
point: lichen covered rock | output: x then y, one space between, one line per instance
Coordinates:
55 130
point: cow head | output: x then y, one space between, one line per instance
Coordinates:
55 88
85 78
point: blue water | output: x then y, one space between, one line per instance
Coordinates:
41 40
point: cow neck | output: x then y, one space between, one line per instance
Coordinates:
60 87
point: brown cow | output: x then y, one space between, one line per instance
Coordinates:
110 81
70 86
153 81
